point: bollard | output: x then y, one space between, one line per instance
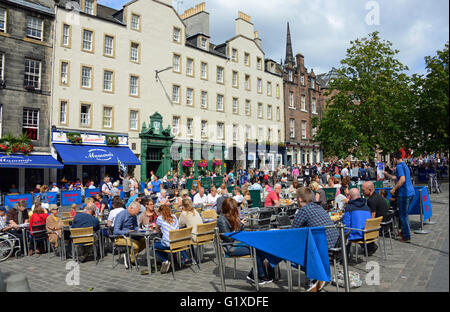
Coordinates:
17 283
421 231
219 258
344 257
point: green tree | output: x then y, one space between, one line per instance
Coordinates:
430 127
367 110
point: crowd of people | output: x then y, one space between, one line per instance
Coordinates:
156 207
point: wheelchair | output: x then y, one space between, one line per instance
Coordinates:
9 243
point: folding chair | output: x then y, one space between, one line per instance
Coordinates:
204 235
83 237
180 240
371 233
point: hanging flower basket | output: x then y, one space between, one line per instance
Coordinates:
74 138
188 163
217 163
112 140
203 163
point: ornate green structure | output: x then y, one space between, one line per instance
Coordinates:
155 148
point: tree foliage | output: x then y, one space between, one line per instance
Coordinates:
368 109
430 93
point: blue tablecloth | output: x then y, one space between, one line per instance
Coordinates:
303 246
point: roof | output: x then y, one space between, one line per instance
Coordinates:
34 6
103 12
325 78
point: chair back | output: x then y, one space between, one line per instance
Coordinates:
39 231
205 232
65 215
180 238
177 214
199 210
371 225
330 193
264 217
388 216
82 235
283 220
255 196
209 214
67 221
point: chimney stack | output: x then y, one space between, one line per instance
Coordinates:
300 61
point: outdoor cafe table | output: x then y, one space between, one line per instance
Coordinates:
147 235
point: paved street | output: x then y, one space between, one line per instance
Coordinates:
417 267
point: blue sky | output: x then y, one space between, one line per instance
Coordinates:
321 30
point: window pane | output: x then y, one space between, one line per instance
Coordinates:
133 120
109 44
2 19
66 34
135 21
85 115
134 85
30 124
32 74
86 77
63 112
87 40
64 72
34 27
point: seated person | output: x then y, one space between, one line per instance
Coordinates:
54 226
310 214
13 189
341 199
73 210
117 207
189 216
38 218
212 197
84 220
163 197
125 223
192 193
176 197
148 217
5 225
377 204
200 197
355 215
273 198
165 223
237 195
229 221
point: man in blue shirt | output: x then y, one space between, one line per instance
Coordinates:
124 224
405 194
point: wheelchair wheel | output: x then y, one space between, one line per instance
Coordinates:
18 254
6 248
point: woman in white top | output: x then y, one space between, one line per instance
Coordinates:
189 216
341 199
117 207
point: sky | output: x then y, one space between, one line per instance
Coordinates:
321 30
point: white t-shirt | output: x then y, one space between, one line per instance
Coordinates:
344 172
200 200
113 213
54 189
238 198
212 199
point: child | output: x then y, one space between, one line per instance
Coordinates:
73 210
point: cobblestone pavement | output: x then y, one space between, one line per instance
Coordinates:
416 267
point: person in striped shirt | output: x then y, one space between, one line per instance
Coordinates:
165 223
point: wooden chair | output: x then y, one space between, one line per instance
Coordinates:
371 233
65 215
204 235
179 240
83 237
209 214
177 214
67 221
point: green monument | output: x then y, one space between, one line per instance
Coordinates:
155 148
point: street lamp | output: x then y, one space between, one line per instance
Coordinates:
160 71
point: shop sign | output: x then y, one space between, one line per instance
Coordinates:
99 154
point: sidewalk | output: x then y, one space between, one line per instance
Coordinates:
421 266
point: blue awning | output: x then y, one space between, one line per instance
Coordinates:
30 161
95 155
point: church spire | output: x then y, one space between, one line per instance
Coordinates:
289 55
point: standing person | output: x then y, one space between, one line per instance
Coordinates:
126 182
405 194
155 185
55 188
107 187
345 171
354 173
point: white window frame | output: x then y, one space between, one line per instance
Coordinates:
175 125
220 74
235 78
220 130
176 34
235 105
190 67
204 99
204 70
64 74
33 74
235 132
108 82
3 20
302 80
304 124
259 85
290 75
176 63
134 121
292 128
134 52
204 43
33 115
269 112
176 95
189 126
63 112
189 97
204 128
66 35
107 117
2 66
260 110
303 103
89 9
35 27
248 132
220 103
248 108
106 47
135 25
85 77
234 55
291 99
86 117
87 40
313 106
134 86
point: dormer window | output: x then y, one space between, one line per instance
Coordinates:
177 34
89 7
290 75
203 43
312 84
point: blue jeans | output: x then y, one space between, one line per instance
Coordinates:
163 255
244 251
403 204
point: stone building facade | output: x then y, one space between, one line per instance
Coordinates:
26 40
302 102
